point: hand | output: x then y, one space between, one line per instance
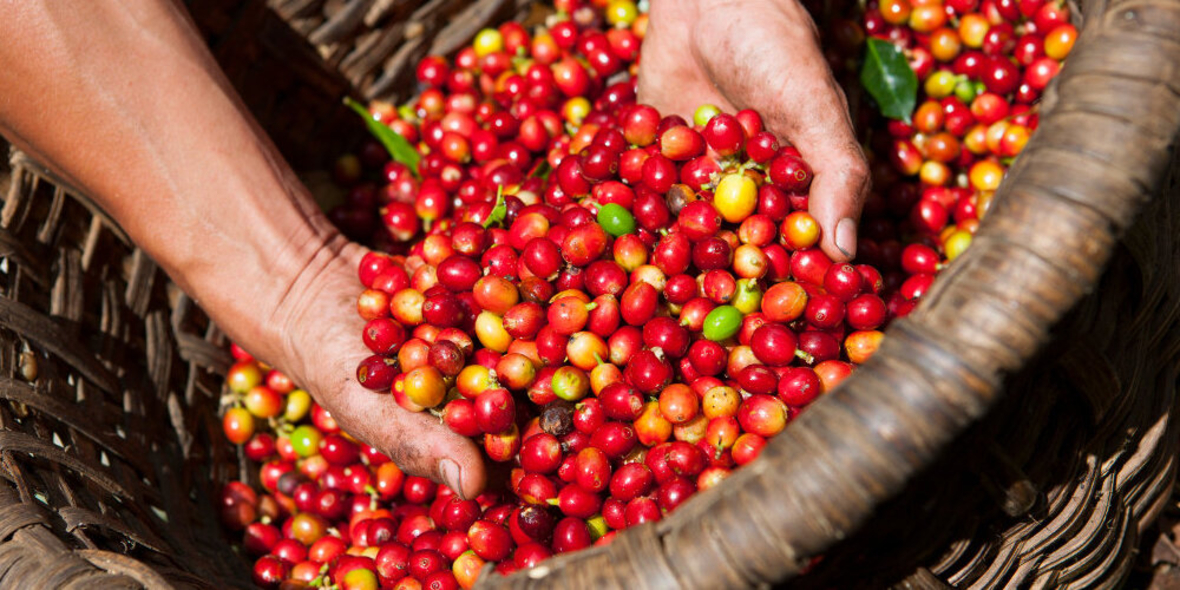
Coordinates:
764 55
320 346
103 87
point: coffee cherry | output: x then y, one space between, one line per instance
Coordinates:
638 303
824 311
861 345
621 402
707 357
570 384
238 425
784 302
502 447
736 197
570 534
616 220
763 415
681 143
541 453
842 281
761 147
542 257
667 335
774 344
722 323
1059 41
568 315
699 220
376 372
790 173
712 253
592 469
648 372
424 386
639 125
269 572
615 439
495 409
866 312
720 402
446 357
724 134
799 386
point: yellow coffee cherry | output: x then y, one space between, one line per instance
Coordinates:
736 197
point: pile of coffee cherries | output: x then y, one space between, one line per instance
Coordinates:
619 306
982 67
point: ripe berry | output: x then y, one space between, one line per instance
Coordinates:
824 311
736 197
866 312
842 281
699 220
774 344
724 134
790 173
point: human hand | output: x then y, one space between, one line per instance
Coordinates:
320 347
212 201
764 55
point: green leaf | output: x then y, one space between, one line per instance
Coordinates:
499 211
541 170
887 76
399 148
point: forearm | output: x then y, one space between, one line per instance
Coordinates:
123 99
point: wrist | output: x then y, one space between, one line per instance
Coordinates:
247 273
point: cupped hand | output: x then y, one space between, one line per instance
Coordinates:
764 55
321 347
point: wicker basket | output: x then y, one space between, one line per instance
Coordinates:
1014 431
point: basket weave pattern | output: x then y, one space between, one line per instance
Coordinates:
376 44
109 377
111 451
1055 488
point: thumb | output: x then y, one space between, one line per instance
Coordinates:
838 189
821 129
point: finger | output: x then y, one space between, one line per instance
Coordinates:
820 128
838 189
419 443
822 132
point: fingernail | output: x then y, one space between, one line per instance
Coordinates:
449 473
846 236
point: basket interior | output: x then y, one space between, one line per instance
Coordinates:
111 448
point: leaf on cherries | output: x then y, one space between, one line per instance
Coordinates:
499 211
541 170
399 148
888 78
